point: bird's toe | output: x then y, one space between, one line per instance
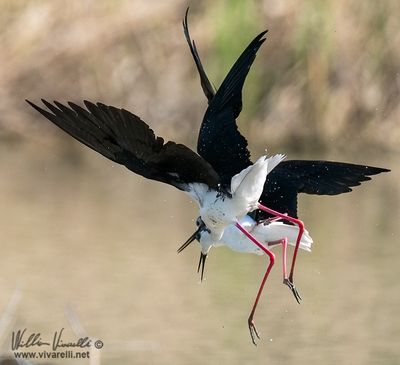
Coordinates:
294 290
253 331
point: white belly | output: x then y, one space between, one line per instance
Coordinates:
237 241
218 210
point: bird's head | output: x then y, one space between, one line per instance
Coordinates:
204 237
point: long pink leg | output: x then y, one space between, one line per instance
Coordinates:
284 243
250 321
300 224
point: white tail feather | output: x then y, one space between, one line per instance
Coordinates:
277 230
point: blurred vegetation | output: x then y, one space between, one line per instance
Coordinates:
327 77
324 85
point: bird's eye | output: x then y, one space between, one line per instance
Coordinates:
198 221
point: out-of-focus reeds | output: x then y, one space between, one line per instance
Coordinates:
327 76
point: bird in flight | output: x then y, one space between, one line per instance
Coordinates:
225 148
228 187
124 138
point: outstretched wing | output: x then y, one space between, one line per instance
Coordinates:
290 178
125 139
220 142
206 85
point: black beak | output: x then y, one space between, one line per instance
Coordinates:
202 262
190 240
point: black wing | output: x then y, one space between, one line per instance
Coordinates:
125 139
220 142
290 178
208 89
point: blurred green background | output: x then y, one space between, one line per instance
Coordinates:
327 77
84 241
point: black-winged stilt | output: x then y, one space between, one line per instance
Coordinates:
125 139
225 193
270 232
222 145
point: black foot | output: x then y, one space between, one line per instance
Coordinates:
253 331
293 289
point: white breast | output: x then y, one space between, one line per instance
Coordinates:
218 211
236 240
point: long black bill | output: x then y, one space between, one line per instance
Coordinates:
190 240
202 262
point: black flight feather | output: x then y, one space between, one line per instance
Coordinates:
124 138
206 85
219 141
290 178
